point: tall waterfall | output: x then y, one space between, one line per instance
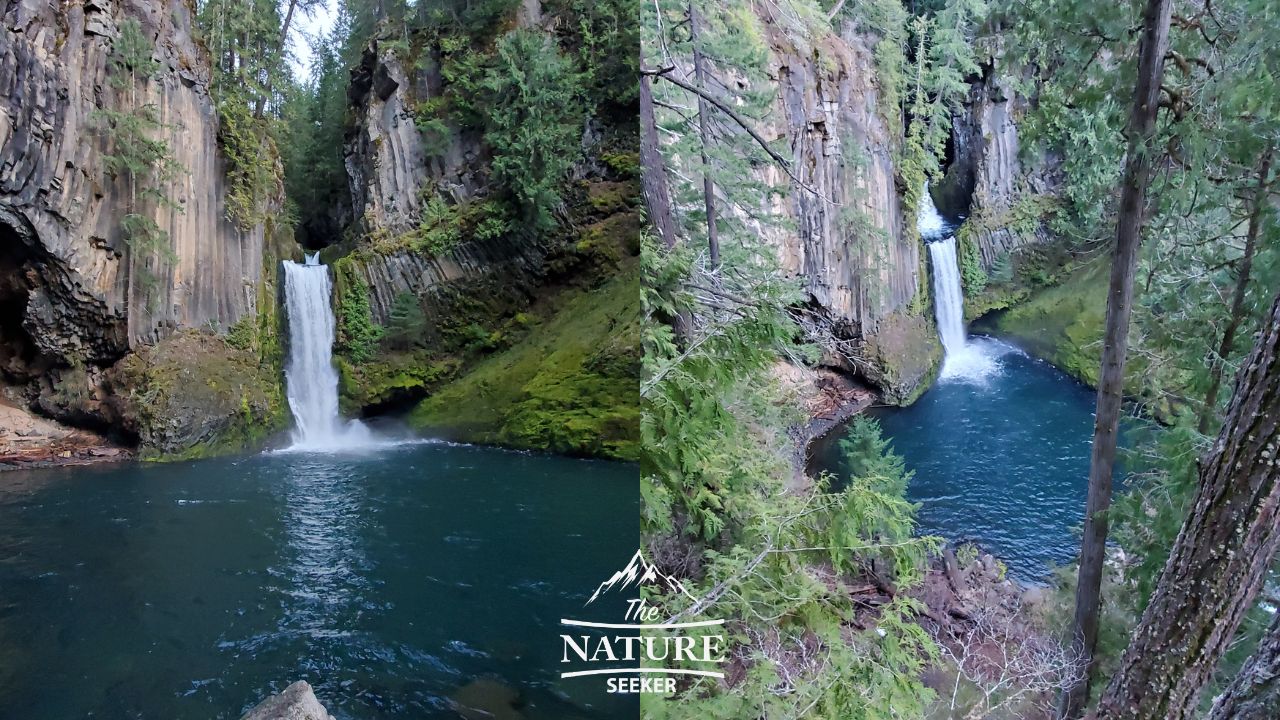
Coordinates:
963 359
310 378
948 299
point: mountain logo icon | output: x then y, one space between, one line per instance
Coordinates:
640 572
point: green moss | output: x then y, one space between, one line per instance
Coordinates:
390 378
611 239
612 197
357 334
1062 323
194 395
571 387
972 276
622 162
906 351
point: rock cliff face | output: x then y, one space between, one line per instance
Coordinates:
505 267
70 338
848 242
846 237
1008 193
60 207
389 167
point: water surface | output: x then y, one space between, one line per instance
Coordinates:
387 579
1001 458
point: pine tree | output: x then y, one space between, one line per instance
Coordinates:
406 323
1219 563
1255 692
534 114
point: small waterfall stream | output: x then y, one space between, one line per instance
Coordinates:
963 360
310 378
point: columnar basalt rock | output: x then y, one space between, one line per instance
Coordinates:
1007 191
844 234
390 169
60 207
507 267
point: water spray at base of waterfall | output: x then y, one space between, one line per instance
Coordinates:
311 382
964 360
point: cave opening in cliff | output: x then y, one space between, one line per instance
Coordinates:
954 193
19 358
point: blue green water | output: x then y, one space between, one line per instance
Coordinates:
1001 458
388 580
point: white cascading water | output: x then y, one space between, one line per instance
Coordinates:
947 296
310 378
963 360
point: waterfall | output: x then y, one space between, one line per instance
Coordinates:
310 378
963 360
948 299
929 221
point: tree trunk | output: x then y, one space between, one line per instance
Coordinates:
1255 693
1133 193
1237 301
284 27
1220 559
704 136
653 174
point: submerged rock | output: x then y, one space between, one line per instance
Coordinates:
487 699
296 702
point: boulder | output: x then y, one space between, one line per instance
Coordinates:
296 702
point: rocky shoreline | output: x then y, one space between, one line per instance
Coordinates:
29 442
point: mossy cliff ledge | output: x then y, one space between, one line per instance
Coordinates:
568 385
526 344
487 286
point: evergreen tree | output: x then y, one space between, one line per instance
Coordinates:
1220 560
534 113
247 42
406 323
1133 191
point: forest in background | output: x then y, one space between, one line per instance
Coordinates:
1189 172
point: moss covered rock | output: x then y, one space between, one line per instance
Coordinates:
1062 323
571 385
905 355
390 380
195 395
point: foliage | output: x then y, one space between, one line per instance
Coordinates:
712 477
444 226
243 334
533 107
357 334
972 276
944 55
315 113
596 31
406 323
252 171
